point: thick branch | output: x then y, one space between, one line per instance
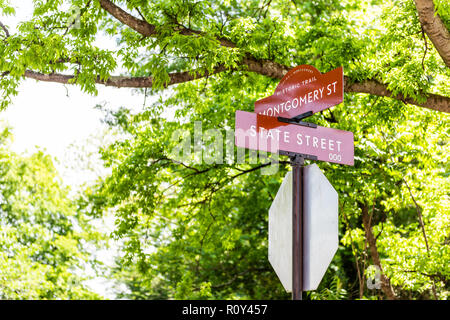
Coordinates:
147 29
433 102
275 70
134 23
124 82
434 28
385 282
264 67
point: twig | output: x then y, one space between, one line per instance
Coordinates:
419 214
331 119
268 46
7 35
437 276
354 251
381 231
140 13
145 97
201 245
82 11
422 226
426 49
385 281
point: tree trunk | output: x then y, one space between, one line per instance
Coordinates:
434 28
385 282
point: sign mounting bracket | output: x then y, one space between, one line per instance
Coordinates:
296 157
297 122
303 116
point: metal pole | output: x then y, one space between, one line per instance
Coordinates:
297 227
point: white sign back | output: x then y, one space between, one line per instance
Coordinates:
320 230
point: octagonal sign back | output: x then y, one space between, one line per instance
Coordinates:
320 229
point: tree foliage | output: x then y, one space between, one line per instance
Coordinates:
42 235
197 229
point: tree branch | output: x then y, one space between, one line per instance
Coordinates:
433 101
134 23
5 30
436 276
422 226
385 282
419 214
354 251
435 29
264 67
123 81
147 29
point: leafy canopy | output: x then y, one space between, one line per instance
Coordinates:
43 237
199 230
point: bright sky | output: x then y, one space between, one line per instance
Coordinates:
54 117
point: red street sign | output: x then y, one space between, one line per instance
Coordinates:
265 133
303 89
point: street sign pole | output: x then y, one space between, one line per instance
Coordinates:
297 163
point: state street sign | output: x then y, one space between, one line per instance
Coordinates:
303 89
320 227
258 132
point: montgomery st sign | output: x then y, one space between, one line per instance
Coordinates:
303 89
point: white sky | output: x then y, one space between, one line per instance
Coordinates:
54 117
